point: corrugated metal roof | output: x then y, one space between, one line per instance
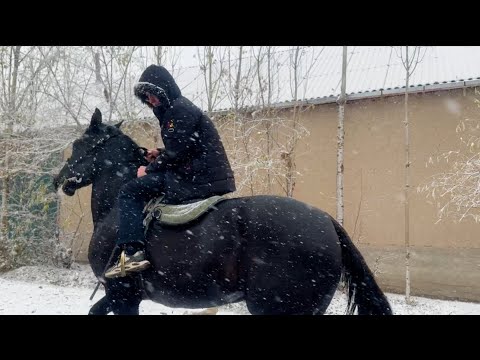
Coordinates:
370 69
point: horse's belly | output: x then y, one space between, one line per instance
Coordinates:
191 297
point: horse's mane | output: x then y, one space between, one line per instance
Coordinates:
114 131
140 150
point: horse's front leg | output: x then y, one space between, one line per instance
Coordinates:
101 307
124 296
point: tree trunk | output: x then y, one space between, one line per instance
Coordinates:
4 227
98 68
238 79
13 85
407 186
268 117
341 138
289 156
12 104
159 55
210 84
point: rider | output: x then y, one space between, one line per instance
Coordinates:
192 165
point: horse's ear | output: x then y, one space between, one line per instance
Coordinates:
119 124
96 119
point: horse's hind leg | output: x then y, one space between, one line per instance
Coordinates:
289 300
130 307
289 287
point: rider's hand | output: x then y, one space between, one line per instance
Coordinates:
152 154
141 171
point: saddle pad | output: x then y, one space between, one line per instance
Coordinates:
178 214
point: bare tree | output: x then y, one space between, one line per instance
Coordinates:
341 137
166 56
212 62
228 75
457 190
249 80
24 157
236 124
172 58
410 60
299 73
263 138
237 118
115 62
15 82
71 80
249 132
266 63
160 52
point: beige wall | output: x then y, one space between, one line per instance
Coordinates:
374 195
446 256
374 167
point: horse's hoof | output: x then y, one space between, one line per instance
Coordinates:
209 311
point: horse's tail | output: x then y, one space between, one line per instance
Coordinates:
363 290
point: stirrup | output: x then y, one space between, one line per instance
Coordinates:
124 266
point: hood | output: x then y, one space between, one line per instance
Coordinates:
159 82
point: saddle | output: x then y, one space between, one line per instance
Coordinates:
174 215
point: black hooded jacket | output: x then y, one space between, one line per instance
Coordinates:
194 159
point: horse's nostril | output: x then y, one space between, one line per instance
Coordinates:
78 180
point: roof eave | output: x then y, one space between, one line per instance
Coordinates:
367 95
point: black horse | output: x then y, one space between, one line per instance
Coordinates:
278 254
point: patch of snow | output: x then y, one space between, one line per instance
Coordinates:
55 291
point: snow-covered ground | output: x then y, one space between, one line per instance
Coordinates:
53 291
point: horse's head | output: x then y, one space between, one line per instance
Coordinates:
100 147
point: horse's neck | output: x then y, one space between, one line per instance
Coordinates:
105 189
